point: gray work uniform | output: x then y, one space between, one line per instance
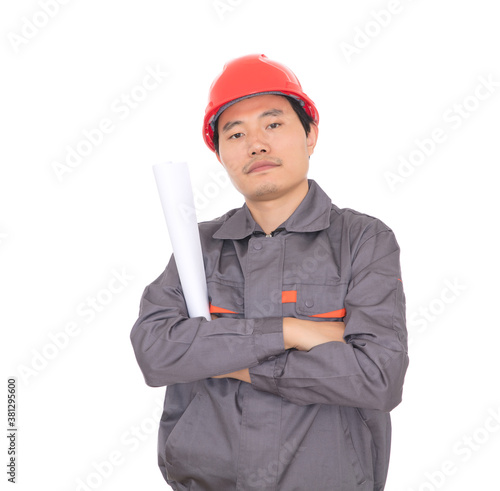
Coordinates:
315 420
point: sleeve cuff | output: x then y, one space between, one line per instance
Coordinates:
265 375
268 338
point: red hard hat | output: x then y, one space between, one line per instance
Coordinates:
249 76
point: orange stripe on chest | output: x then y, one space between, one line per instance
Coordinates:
289 296
220 310
333 313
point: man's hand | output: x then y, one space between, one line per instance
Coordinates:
304 335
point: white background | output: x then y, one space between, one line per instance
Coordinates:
63 239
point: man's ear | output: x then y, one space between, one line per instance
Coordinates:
312 139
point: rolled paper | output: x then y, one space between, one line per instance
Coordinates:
176 195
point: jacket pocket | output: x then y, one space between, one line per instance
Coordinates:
321 301
200 451
226 300
182 438
378 424
358 455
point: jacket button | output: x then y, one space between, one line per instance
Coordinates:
239 301
257 246
309 303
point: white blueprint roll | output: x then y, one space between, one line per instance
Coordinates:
176 195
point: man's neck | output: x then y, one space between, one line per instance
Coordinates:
271 213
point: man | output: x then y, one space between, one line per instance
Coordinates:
289 387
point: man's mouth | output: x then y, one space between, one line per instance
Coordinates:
261 166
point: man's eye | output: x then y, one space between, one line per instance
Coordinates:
236 135
274 125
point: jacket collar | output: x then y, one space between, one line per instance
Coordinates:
312 215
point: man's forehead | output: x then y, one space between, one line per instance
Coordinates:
268 104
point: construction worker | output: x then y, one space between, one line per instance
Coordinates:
290 386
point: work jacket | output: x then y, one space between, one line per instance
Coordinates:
309 420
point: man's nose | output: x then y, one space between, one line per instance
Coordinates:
258 145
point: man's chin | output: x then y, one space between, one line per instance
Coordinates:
266 189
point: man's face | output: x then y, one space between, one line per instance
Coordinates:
264 148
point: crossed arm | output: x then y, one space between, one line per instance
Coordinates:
367 370
302 335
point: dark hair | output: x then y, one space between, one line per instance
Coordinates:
304 118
